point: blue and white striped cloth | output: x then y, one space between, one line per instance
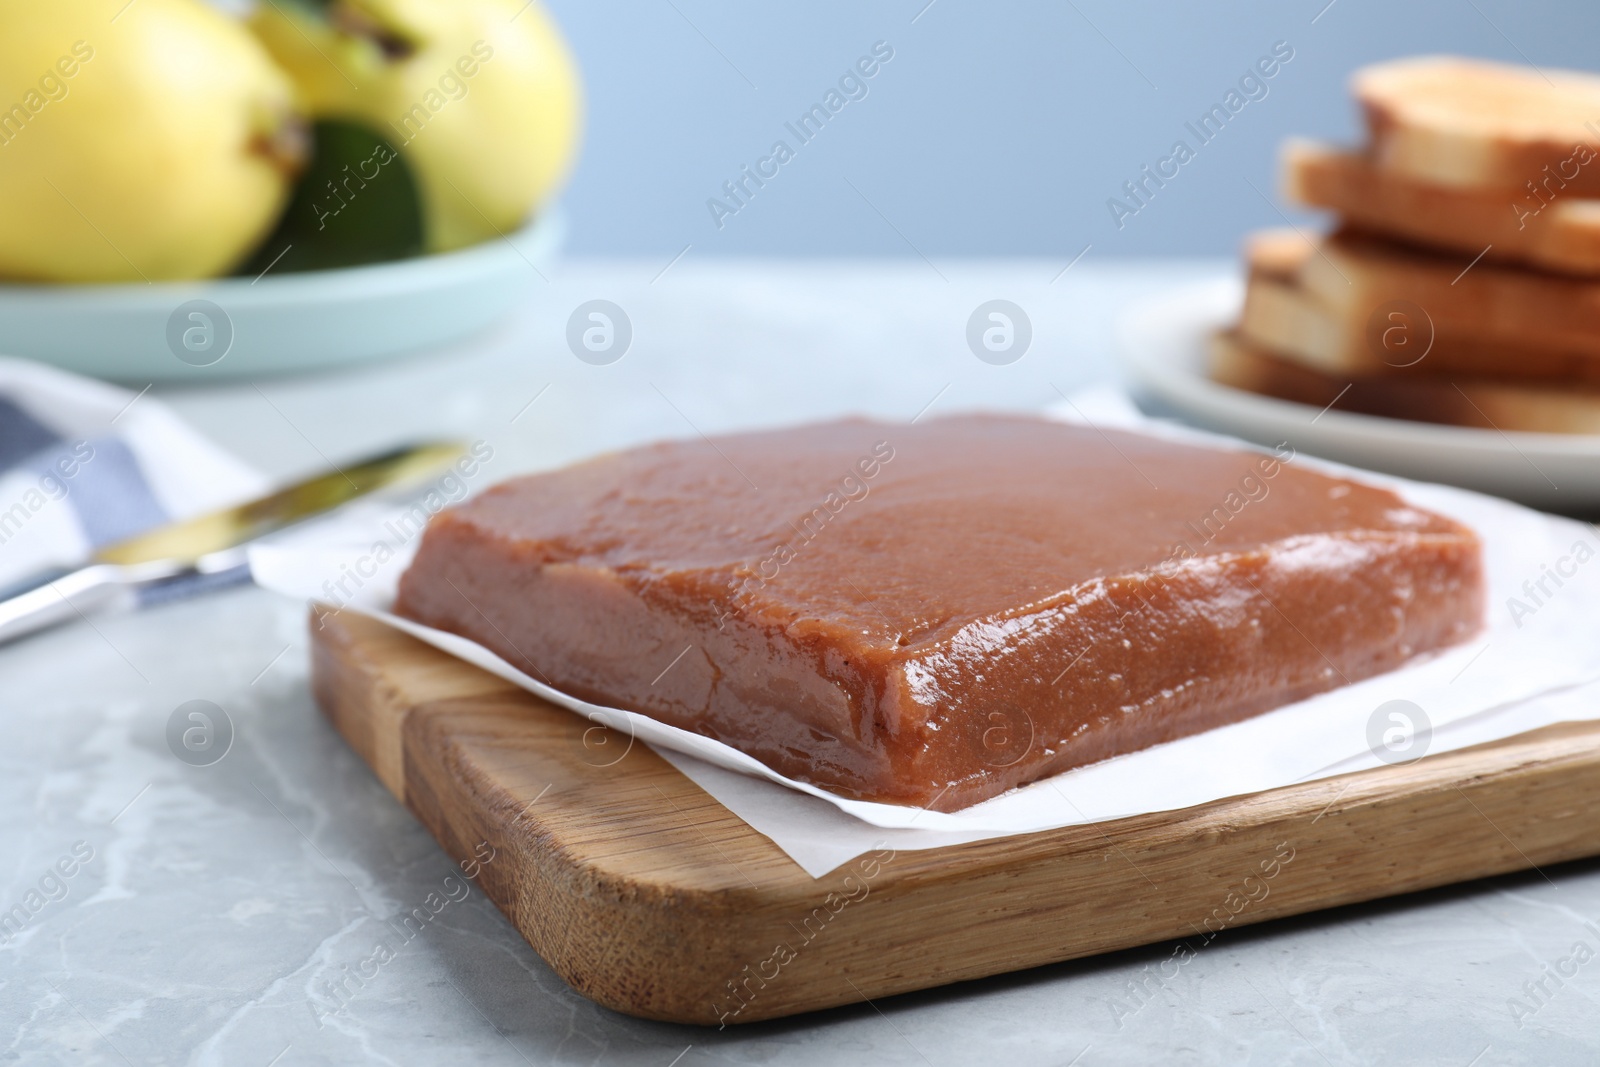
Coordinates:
84 464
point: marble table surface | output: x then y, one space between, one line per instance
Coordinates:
209 908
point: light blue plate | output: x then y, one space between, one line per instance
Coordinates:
275 324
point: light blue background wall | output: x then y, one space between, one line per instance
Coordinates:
999 128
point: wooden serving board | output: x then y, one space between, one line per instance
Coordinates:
651 898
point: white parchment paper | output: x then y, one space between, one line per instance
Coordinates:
1536 663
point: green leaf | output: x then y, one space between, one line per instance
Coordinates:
356 203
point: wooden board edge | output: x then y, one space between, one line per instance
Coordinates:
692 956
355 681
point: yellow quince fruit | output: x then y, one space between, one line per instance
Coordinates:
144 141
480 97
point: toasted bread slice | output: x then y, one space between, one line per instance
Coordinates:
1279 316
1277 253
1560 233
1476 402
1475 124
1361 305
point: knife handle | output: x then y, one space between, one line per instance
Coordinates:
11 590
71 596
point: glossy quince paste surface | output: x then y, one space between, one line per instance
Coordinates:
931 614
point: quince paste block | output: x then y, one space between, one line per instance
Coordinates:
932 614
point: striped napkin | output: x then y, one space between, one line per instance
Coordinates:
84 464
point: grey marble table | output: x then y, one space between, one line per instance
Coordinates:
209 909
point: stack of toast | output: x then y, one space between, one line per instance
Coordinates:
1462 284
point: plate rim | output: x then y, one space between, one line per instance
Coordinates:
541 234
